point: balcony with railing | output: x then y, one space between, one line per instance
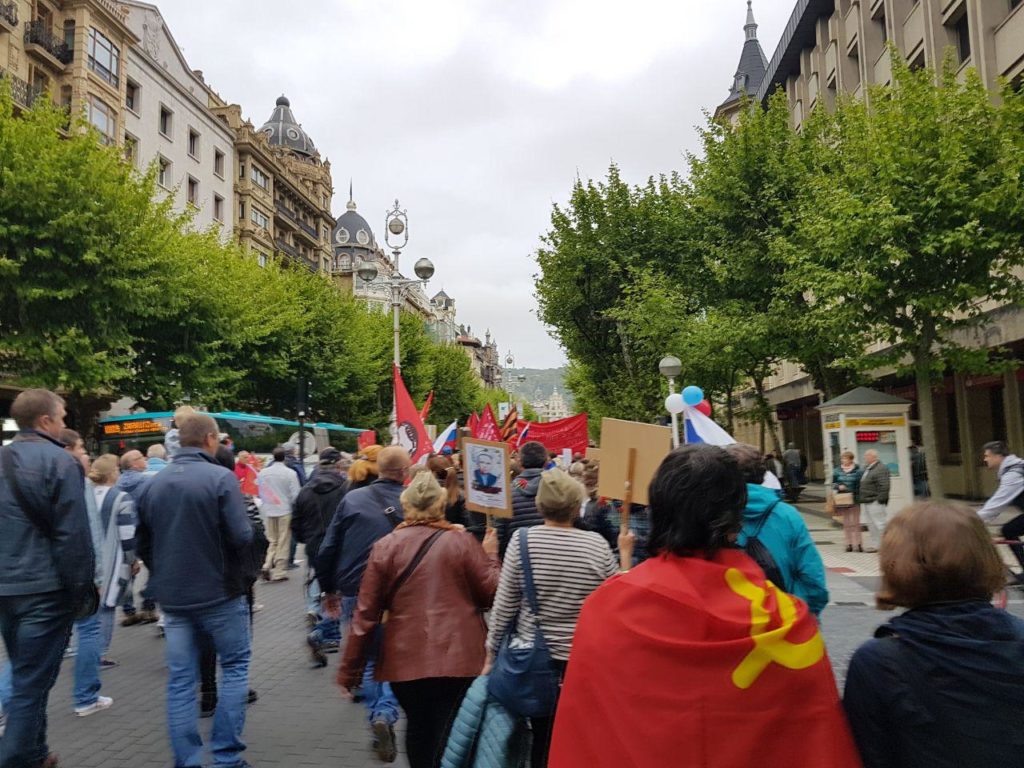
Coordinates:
310 230
286 248
23 93
287 215
9 16
41 40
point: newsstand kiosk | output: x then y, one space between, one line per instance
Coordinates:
866 419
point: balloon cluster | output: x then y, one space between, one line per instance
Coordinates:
692 397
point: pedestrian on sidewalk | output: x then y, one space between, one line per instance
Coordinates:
314 508
874 495
47 568
113 522
195 537
781 531
365 516
940 685
846 489
433 581
1009 495
279 488
135 474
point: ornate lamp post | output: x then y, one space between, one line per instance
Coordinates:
396 235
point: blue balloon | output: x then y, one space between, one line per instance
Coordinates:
693 395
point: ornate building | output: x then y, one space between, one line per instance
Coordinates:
282 188
552 409
483 356
72 51
749 72
444 328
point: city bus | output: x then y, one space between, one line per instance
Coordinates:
248 431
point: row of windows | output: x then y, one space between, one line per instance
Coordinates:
164 179
166 126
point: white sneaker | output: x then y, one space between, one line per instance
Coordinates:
101 703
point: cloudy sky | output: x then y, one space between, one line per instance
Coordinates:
478 114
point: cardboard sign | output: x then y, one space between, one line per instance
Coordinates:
652 444
488 481
594 454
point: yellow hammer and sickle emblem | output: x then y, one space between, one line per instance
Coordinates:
770 645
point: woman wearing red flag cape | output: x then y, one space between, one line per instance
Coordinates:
694 659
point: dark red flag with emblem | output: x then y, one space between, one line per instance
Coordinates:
684 661
487 428
412 435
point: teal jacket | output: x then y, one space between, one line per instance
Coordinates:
786 536
485 734
850 479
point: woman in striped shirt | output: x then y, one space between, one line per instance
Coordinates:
568 564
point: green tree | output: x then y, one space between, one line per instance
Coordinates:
913 221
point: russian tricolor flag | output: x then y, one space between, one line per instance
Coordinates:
703 429
448 438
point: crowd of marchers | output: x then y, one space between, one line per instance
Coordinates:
574 633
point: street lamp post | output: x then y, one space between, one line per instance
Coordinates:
670 367
396 235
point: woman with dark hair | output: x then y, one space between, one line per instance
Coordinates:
706 662
447 474
940 685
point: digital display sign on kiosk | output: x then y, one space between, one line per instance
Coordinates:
866 419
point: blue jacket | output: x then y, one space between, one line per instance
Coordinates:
358 522
786 536
132 482
940 687
485 734
154 465
194 535
31 563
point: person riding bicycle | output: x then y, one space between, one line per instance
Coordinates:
1010 493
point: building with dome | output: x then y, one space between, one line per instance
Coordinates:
750 71
283 189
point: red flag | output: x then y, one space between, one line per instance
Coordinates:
558 435
487 429
412 435
426 407
366 439
705 652
472 423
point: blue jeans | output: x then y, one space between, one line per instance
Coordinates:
325 629
35 629
5 685
227 624
378 698
94 635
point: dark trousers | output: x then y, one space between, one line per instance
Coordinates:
430 706
1014 530
35 629
542 729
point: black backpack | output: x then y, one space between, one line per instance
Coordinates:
759 552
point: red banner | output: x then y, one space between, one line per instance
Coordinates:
366 439
487 429
412 435
426 407
559 435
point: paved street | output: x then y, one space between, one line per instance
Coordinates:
300 720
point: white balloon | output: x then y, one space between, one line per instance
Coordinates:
674 404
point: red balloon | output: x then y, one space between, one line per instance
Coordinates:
704 407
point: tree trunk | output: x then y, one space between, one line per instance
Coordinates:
926 413
765 413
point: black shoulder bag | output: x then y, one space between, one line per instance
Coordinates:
760 554
88 601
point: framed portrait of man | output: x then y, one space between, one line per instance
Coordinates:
485 470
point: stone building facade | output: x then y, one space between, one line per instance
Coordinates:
168 121
283 190
832 47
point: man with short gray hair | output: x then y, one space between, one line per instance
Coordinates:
874 494
47 567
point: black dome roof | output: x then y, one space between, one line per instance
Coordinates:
351 229
283 130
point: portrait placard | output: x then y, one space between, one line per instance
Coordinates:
652 444
485 471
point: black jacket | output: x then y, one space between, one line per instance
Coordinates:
524 507
51 480
940 687
314 508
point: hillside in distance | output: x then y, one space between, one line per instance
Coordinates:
538 383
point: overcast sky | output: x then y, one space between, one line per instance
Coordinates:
478 114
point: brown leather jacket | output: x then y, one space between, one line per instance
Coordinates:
435 626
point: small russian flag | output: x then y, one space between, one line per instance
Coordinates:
702 429
523 434
447 439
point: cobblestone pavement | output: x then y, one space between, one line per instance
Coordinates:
300 720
